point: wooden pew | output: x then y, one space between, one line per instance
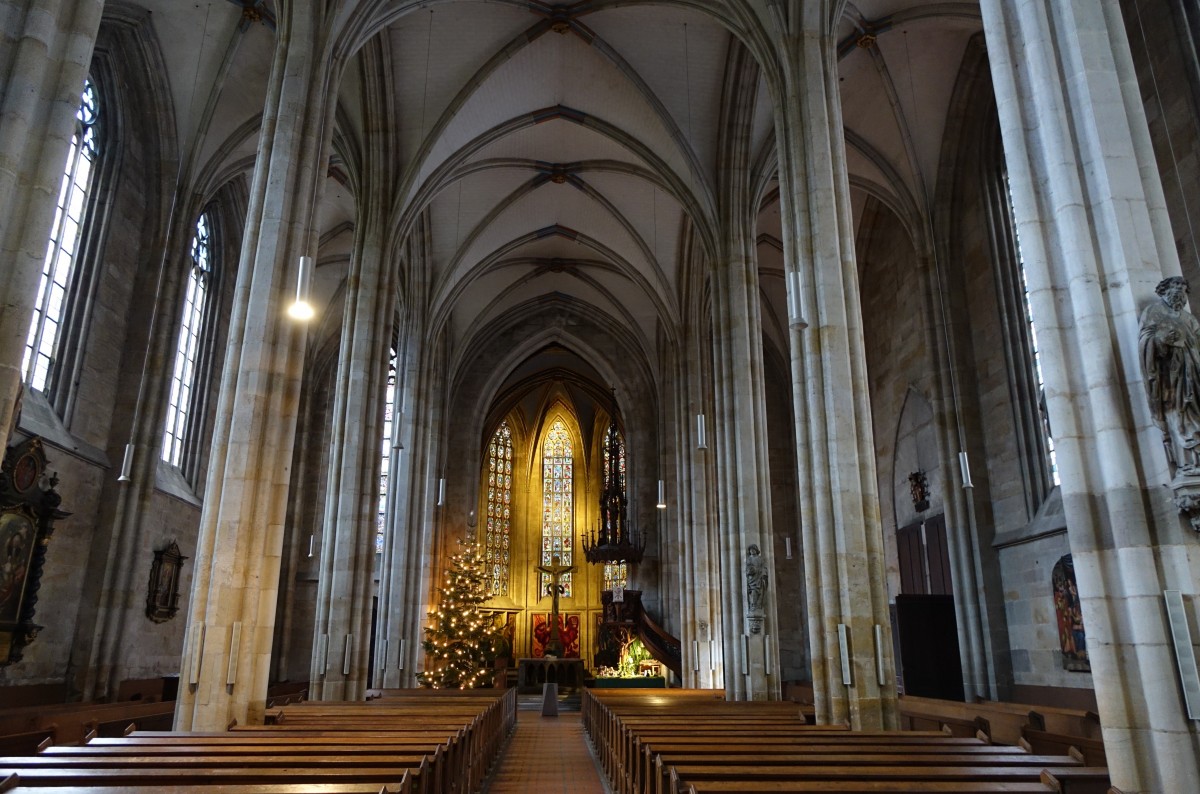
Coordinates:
874 763
765 778
74 721
406 746
862 787
28 742
1003 722
1091 750
667 746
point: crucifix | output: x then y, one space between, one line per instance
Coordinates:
555 570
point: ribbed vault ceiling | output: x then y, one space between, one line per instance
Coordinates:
571 163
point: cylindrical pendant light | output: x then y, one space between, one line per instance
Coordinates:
126 464
301 309
965 466
794 302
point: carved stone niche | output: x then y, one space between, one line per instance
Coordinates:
28 510
162 596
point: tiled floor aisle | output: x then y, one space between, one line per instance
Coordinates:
547 755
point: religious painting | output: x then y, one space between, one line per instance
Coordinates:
1069 611
17 537
568 632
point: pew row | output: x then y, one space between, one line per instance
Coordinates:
666 745
405 746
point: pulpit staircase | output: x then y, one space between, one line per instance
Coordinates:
629 613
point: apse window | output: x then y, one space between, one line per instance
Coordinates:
59 277
183 374
498 479
557 505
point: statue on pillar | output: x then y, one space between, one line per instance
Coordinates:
1169 343
756 588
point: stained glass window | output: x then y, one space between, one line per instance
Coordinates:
65 238
389 407
615 574
497 543
558 526
183 376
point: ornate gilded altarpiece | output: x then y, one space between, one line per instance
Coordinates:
28 510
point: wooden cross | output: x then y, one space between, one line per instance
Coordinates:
555 571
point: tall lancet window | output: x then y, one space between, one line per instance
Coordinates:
499 510
187 352
616 574
385 465
558 504
59 277
1034 352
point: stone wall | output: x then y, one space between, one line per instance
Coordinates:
899 366
1163 51
791 606
1029 605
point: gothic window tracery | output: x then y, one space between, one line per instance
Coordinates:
615 574
1034 353
557 504
187 351
385 465
61 265
498 541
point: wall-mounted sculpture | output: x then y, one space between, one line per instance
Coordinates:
756 588
1169 343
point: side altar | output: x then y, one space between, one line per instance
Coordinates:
533 673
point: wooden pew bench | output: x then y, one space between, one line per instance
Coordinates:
756 778
28 742
352 747
862 787
936 743
1091 750
16 787
765 751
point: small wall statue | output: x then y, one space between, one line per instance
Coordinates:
1169 343
756 588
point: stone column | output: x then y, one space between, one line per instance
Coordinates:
743 482
227 651
692 534
46 50
839 504
343 609
410 551
1096 239
739 428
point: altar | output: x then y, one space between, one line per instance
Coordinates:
533 673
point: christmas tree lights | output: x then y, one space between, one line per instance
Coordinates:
460 639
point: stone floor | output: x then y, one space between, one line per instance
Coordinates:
548 755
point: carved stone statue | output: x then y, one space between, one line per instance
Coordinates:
756 587
1170 350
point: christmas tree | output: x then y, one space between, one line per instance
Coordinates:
460 638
